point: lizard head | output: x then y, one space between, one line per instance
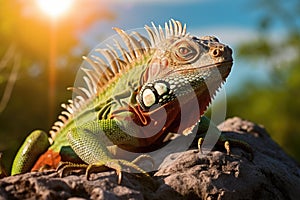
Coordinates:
185 67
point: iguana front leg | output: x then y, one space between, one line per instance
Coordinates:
88 143
204 124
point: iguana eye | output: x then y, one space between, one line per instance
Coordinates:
185 52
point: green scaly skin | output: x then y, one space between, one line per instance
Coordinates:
128 95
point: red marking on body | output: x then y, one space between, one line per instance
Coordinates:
48 160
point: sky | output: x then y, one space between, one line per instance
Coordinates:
233 22
201 17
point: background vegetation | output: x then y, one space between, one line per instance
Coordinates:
24 100
275 104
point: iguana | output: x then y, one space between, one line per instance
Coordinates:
134 96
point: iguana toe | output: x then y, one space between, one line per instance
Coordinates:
116 164
228 143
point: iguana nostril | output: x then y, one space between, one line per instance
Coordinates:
217 52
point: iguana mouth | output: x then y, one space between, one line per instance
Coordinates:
214 65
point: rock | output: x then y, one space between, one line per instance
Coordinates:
272 174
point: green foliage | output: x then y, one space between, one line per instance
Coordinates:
275 104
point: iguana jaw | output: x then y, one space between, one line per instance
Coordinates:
184 85
214 65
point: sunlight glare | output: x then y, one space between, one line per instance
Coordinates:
54 8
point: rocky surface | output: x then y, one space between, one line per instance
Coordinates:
270 175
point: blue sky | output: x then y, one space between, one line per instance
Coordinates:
233 22
201 14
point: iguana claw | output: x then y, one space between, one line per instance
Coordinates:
204 124
228 143
66 167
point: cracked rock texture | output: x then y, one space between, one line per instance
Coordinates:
270 175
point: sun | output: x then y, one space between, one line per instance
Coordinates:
54 8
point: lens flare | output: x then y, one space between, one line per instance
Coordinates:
54 8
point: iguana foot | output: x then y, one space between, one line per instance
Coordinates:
204 124
65 168
101 166
227 143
